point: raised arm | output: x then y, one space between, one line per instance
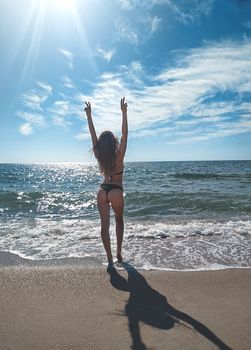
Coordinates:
88 112
123 141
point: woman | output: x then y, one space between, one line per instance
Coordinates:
110 155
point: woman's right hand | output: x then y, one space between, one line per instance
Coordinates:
88 109
123 105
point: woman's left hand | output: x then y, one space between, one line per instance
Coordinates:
123 105
88 109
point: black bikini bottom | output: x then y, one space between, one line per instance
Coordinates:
109 187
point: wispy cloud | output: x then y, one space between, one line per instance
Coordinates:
133 74
137 30
34 98
219 131
26 129
67 82
153 23
184 11
60 107
126 4
126 32
64 111
192 11
69 57
59 120
45 86
82 136
105 54
178 98
203 94
70 106
33 119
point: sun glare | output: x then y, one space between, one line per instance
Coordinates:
64 5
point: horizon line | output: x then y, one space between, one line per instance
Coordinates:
133 161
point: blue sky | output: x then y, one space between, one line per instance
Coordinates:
184 67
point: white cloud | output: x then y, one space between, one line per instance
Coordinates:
26 129
126 4
64 111
137 30
154 23
69 57
59 120
45 86
82 136
34 98
60 108
106 55
67 82
188 101
224 130
185 90
33 119
185 11
132 74
126 32
216 109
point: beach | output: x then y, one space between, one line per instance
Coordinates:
85 307
125 138
185 283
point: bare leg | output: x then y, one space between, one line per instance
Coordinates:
104 212
117 201
119 234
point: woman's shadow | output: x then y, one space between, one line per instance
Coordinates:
147 305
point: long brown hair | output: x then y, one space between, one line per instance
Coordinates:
105 152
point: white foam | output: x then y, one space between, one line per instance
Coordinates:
188 246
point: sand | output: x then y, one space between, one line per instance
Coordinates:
85 307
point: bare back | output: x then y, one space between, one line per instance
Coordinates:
117 176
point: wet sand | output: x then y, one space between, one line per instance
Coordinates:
85 307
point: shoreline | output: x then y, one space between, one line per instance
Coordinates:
86 307
8 259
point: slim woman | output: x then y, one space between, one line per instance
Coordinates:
110 155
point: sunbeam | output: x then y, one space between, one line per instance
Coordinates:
34 47
64 17
63 5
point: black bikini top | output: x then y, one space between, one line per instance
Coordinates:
119 173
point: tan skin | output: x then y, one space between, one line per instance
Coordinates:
115 197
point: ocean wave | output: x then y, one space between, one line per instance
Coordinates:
46 204
143 204
139 204
212 176
192 244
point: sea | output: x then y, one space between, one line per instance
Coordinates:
187 215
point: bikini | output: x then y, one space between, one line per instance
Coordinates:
109 187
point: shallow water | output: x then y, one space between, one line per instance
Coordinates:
178 215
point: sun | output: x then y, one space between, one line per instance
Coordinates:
64 5
67 3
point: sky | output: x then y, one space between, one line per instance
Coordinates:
183 66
